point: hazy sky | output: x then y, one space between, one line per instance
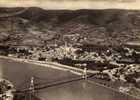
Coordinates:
73 4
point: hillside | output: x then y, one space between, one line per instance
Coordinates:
37 26
105 41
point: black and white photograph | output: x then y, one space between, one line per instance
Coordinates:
69 49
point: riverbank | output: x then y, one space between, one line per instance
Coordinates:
54 65
79 90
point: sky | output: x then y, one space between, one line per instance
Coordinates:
73 4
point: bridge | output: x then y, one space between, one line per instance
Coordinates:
81 74
37 82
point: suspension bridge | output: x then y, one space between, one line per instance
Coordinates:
81 74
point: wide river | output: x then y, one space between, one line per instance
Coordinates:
20 73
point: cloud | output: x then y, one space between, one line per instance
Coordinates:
73 4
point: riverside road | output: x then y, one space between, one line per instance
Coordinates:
20 73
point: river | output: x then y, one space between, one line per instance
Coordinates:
19 73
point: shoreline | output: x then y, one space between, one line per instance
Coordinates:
53 65
70 69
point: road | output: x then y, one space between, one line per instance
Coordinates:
19 73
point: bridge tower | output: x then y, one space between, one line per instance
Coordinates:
31 88
84 73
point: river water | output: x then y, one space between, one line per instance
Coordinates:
20 73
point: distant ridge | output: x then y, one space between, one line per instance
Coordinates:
37 26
